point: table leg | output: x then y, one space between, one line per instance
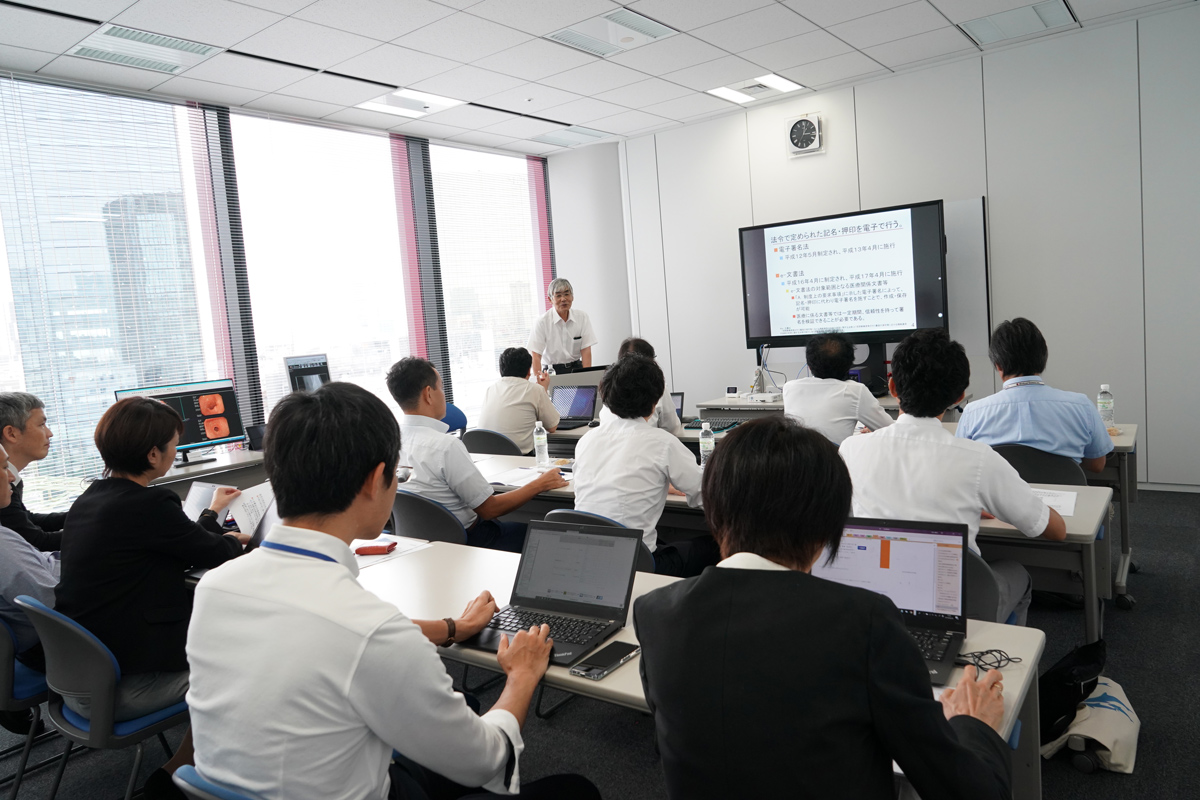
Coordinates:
1027 758
1091 600
1123 479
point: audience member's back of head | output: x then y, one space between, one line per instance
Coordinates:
830 355
778 489
632 386
1018 348
931 372
408 377
321 446
636 346
515 362
130 429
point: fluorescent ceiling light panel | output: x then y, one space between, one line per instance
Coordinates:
778 83
133 48
410 103
612 33
725 93
1020 23
572 136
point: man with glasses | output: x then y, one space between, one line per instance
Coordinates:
562 336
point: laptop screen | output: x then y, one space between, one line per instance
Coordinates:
677 399
564 563
575 402
918 565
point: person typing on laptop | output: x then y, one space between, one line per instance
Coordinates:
714 647
916 469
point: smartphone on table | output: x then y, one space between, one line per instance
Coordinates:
605 660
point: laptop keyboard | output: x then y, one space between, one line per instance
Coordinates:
715 424
569 630
931 644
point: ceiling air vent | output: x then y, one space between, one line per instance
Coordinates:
611 33
572 136
1020 23
636 22
133 48
581 41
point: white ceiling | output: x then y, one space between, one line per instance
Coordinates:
319 58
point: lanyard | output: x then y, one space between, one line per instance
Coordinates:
1029 382
300 551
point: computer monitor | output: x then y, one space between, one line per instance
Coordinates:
574 402
677 399
307 373
209 410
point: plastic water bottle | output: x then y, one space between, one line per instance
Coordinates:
1104 404
541 447
550 370
708 440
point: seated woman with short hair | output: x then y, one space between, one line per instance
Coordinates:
766 681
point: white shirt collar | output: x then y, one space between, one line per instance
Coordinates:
316 541
1019 378
922 422
611 420
558 317
422 421
751 561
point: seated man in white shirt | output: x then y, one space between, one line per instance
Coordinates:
664 415
303 682
624 468
829 401
442 468
513 405
918 470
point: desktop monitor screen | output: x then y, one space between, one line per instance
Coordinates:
874 275
307 373
574 402
209 410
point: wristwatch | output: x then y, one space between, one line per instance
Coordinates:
450 631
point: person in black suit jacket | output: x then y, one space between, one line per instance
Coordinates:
765 681
26 437
127 547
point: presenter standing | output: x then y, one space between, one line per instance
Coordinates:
562 336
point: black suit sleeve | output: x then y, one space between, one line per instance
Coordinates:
193 542
49 522
45 537
942 761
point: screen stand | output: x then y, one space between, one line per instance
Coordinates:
876 364
185 462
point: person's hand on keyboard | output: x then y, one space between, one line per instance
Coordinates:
478 614
981 699
527 657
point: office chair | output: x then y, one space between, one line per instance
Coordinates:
79 665
455 418
21 689
419 517
645 559
481 440
197 787
1038 466
983 590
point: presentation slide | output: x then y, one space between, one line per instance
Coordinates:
857 275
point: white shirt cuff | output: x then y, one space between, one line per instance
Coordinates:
505 783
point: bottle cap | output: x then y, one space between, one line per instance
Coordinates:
1104 387
704 425
539 422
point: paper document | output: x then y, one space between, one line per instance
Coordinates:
404 546
200 496
249 507
521 476
1062 502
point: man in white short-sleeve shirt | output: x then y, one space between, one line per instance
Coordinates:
513 405
917 470
563 336
664 415
302 681
828 401
442 469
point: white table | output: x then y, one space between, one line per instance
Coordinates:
439 581
744 408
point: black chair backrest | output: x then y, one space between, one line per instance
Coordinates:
1038 466
483 441
420 518
983 590
8 654
645 559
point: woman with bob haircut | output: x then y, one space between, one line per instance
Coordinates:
766 681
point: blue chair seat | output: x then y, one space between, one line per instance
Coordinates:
27 682
128 726
187 777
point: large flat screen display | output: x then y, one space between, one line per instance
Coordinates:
209 410
874 275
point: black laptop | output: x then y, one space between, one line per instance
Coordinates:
575 578
920 566
576 405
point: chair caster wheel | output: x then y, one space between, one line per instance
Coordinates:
1125 602
1086 762
1134 568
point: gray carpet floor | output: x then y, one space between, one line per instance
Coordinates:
1150 652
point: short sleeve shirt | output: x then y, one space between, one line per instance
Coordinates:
561 341
442 468
833 407
512 406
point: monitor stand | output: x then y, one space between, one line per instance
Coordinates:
185 462
876 364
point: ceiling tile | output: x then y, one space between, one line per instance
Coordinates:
395 65
529 98
666 55
803 49
378 19
101 72
467 83
459 4
218 22
540 17
335 89
536 59
712 74
428 130
832 70
306 43
247 72
22 59
34 30
470 117
685 15
965 10
292 106
462 37
831 12
654 129
278 6
887 26
102 10
1095 9
206 92
583 110
627 121
599 76
365 118
524 127
690 106
755 28
481 139
923 46
644 93
531 148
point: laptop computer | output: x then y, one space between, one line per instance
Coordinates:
576 405
920 566
575 578
677 399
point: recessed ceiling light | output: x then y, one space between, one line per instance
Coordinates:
778 83
611 33
409 103
133 48
725 93
1019 23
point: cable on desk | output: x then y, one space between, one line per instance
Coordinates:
986 659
